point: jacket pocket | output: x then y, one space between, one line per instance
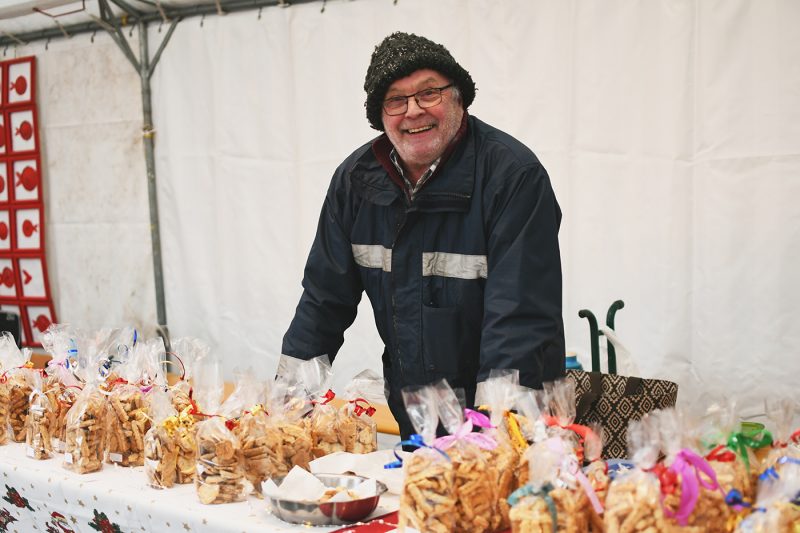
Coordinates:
450 350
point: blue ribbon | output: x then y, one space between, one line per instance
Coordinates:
415 440
769 474
786 459
542 492
735 499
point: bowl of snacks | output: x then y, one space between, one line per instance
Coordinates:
345 499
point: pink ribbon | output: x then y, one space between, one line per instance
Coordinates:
571 463
464 432
689 466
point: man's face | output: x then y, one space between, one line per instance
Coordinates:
419 135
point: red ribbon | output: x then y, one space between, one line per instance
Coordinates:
359 409
327 398
666 477
717 454
581 431
795 437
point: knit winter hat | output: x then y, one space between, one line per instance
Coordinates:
401 54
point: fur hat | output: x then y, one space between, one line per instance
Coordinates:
401 54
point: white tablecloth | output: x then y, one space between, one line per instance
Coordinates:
44 496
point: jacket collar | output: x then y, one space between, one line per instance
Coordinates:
449 189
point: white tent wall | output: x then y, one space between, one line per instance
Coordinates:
97 221
671 132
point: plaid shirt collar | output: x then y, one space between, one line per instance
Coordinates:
412 188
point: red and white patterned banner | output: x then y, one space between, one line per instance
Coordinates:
24 286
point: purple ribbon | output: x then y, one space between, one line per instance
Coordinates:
689 466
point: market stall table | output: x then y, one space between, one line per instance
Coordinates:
44 496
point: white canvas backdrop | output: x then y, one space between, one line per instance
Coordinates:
671 131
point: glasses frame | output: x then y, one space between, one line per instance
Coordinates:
396 112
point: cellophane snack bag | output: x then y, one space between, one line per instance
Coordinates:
357 430
692 499
162 442
189 353
38 429
99 353
551 501
129 413
633 502
428 499
531 406
781 415
11 360
498 394
245 410
289 404
17 375
474 479
315 376
777 505
713 430
220 469
62 385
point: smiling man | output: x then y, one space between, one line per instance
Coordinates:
451 228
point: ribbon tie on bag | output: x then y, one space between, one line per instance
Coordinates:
325 398
416 441
721 454
360 409
578 429
256 410
171 424
739 442
569 463
690 467
542 492
464 433
514 431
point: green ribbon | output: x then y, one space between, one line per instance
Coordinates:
741 440
542 492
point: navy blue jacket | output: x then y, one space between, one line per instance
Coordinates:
463 278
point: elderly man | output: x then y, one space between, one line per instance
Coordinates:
451 228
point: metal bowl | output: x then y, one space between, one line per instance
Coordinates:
331 513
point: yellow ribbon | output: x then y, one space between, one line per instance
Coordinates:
186 418
517 439
171 424
256 409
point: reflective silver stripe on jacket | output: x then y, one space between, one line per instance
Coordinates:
372 256
454 265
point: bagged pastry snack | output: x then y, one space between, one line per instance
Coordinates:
38 425
531 406
596 473
357 430
220 471
560 415
288 404
428 499
552 500
498 395
17 374
777 505
62 384
85 429
473 477
781 414
187 354
633 501
315 376
244 409
162 442
716 431
692 499
14 391
128 415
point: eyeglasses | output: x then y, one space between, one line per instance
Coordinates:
397 105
